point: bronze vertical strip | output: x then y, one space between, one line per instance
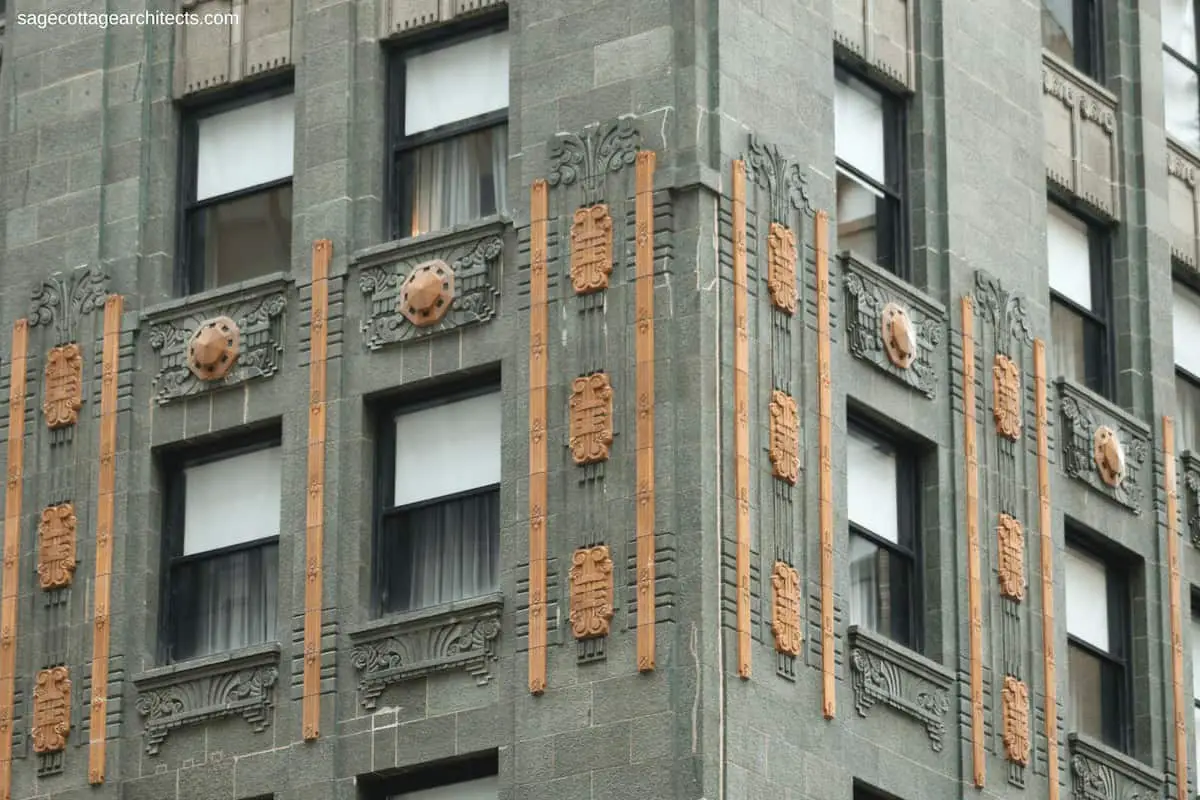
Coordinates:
1171 480
741 422
539 215
974 588
1047 536
644 354
12 548
314 538
825 443
105 530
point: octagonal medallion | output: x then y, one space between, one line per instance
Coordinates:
427 293
213 349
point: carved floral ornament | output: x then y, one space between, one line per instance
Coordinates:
591 579
781 267
427 293
591 249
785 619
899 336
1109 456
213 349
785 437
1012 557
64 386
591 430
1016 720
51 710
56 546
1006 394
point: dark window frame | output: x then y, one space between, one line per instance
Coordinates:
892 233
397 186
1087 18
1188 283
433 775
172 466
189 260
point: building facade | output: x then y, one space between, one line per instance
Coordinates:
576 399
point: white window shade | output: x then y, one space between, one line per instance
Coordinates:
1069 256
1186 322
447 449
1087 599
245 147
482 789
232 501
871 491
858 127
456 82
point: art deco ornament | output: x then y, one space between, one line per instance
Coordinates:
64 386
591 579
591 419
785 437
899 336
1006 394
1016 720
56 546
1012 557
591 249
781 267
213 349
51 710
1109 456
785 619
427 293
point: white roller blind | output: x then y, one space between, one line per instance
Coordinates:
482 789
245 147
1186 323
456 82
232 501
1068 255
858 127
871 486
1087 598
446 449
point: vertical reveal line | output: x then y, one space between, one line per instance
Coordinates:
741 422
12 549
825 443
974 588
539 214
110 357
644 354
1047 537
314 533
1171 480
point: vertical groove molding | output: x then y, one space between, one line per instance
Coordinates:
314 533
741 422
1170 479
1047 536
539 214
12 549
825 443
974 589
105 511
644 350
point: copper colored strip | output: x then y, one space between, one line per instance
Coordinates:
314 539
644 354
825 444
741 422
1047 537
539 212
12 548
974 588
105 530
1170 479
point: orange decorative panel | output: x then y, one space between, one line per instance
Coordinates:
64 386
781 267
539 213
741 422
56 546
1006 396
644 359
1047 538
785 619
591 579
785 437
591 430
1170 480
314 539
1016 720
51 710
1012 557
591 249
974 589
825 446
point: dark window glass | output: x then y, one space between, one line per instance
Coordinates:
1077 260
1071 29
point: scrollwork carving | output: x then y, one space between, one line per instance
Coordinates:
1099 774
591 580
780 176
64 386
1005 310
59 302
785 437
1016 720
785 617
884 675
587 158
1101 448
56 546
591 430
51 710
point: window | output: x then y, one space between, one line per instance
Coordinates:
471 778
1181 89
1078 263
1096 647
1195 632
238 193
1186 322
449 132
438 533
222 547
869 143
881 493
1072 30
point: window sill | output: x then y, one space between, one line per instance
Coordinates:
888 673
455 636
1083 412
398 249
249 286
1086 82
1093 763
238 683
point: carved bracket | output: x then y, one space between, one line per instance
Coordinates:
240 684
873 297
458 636
470 264
901 680
1191 495
256 312
1103 446
587 158
1100 773
60 301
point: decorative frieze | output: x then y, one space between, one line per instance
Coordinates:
880 33
56 546
461 636
1190 463
590 421
591 586
892 326
901 680
63 395
51 710
1103 446
1011 537
1081 136
404 16
1100 773
785 437
1015 704
255 40
587 158
591 249
785 604
1184 204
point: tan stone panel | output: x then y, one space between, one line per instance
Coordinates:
56 546
51 710
785 617
1016 720
591 249
591 579
64 386
591 431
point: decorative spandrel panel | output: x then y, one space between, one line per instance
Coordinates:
1190 471
897 678
239 41
399 16
880 32
1103 446
1081 137
1100 773
1182 169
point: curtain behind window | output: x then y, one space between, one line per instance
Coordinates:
224 602
457 180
